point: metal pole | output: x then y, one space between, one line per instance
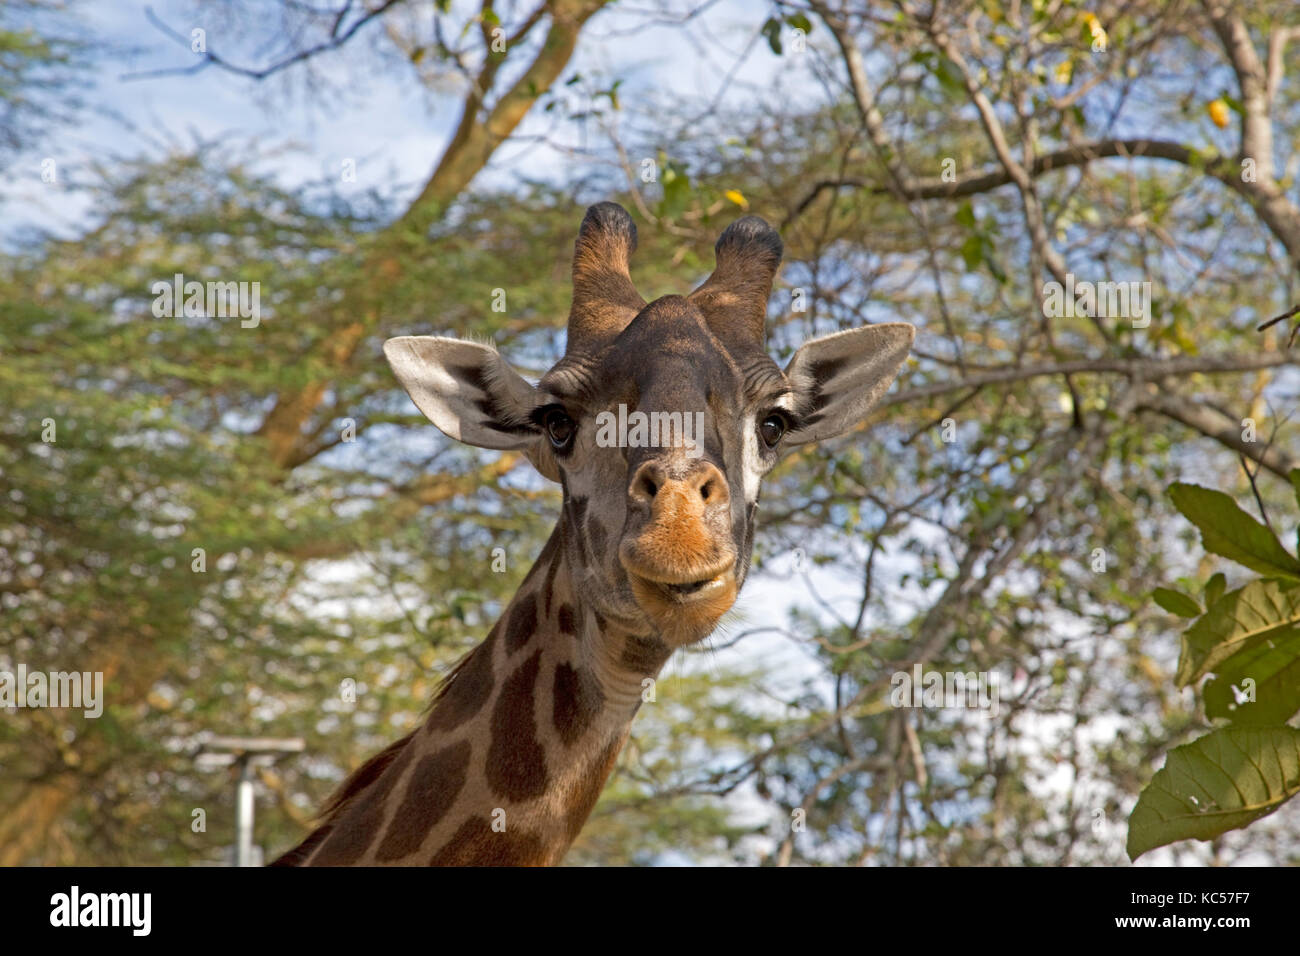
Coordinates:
244 814
212 752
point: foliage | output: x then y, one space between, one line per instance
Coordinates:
1249 640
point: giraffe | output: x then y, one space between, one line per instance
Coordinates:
652 546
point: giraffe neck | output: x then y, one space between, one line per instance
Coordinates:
517 747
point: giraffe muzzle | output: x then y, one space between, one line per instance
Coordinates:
677 547
685 612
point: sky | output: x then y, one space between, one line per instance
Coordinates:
392 127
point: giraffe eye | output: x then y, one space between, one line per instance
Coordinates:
772 428
559 427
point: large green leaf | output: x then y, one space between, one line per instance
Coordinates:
1228 531
1176 602
1274 666
1220 782
1239 620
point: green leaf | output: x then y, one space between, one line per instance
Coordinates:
1273 668
799 22
677 190
1228 531
965 216
772 30
1295 483
949 75
1236 622
1214 588
1220 782
1176 602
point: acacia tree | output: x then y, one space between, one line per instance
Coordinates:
1008 516
986 151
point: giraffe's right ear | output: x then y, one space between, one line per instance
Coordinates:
468 390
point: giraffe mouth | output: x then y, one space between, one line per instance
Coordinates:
682 588
684 607
688 592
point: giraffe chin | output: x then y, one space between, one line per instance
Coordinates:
684 613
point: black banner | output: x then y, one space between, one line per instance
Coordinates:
131 906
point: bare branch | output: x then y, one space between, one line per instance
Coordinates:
1144 369
209 58
1215 424
1277 44
1256 124
972 184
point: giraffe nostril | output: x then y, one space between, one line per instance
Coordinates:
712 487
646 483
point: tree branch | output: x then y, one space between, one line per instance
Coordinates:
472 145
1145 369
209 58
1252 81
1214 424
971 184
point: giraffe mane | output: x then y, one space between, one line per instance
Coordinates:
356 782
373 768
448 679
361 778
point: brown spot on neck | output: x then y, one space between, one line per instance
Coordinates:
644 655
522 623
577 700
552 569
516 763
435 783
596 537
359 821
475 843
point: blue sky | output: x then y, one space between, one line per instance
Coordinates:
375 113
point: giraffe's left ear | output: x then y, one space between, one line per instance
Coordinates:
839 378
467 389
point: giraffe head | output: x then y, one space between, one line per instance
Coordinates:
660 421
